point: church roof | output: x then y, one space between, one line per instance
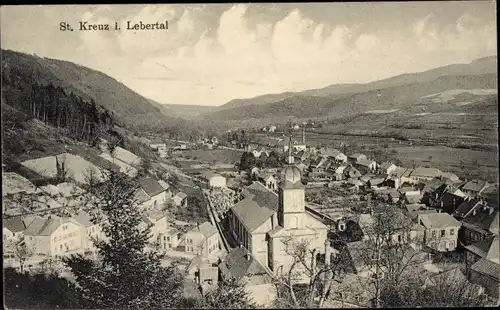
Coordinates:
259 204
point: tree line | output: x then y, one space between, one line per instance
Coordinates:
82 119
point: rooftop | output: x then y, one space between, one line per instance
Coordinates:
438 220
485 218
427 172
236 265
258 205
13 183
46 226
474 185
151 186
206 229
14 224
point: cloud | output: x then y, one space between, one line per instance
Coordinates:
214 53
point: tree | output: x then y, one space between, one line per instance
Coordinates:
272 161
229 294
247 161
306 263
22 253
129 272
62 173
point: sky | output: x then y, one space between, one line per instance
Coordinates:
213 53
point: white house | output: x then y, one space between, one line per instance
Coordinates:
202 240
13 229
214 180
272 128
387 168
93 231
54 236
151 193
159 223
441 231
179 198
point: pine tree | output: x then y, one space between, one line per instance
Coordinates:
128 273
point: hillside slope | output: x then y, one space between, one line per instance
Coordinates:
127 107
486 65
407 96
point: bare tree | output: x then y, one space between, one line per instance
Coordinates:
62 173
22 253
307 265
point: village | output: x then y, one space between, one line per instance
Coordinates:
242 206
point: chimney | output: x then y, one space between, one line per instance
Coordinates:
241 245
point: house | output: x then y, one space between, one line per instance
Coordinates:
449 202
480 224
451 177
473 187
414 210
241 266
170 239
158 221
151 193
441 231
355 157
302 167
158 146
256 153
424 174
467 206
376 181
352 173
92 231
334 153
13 229
271 182
264 220
179 198
340 169
387 168
202 240
54 236
482 264
399 176
410 194
272 128
214 180
205 274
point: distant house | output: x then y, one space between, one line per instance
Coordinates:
158 146
483 266
467 206
151 193
179 198
425 174
158 221
271 182
441 231
214 180
202 240
474 187
387 168
480 224
170 239
334 153
352 173
53 236
453 178
449 201
399 176
355 157
13 229
93 231
272 128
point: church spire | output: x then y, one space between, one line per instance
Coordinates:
290 154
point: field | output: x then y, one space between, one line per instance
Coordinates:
209 156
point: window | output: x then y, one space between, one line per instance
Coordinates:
433 234
399 238
164 238
452 232
443 233
168 238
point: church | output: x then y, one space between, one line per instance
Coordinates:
263 220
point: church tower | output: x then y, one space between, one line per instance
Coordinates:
291 208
